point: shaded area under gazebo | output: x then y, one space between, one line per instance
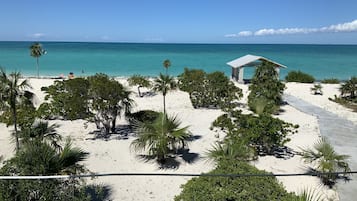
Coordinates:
239 64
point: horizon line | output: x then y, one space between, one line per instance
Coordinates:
177 43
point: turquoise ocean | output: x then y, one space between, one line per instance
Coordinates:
125 59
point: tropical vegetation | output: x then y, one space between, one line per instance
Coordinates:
37 51
209 90
161 138
41 154
326 160
348 96
349 89
263 134
67 99
206 188
14 98
140 81
108 100
317 89
298 76
164 84
330 81
265 88
98 98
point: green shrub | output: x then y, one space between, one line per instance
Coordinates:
330 81
263 132
209 90
68 99
234 188
266 90
145 116
298 76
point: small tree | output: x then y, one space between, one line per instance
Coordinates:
326 160
37 51
161 137
140 81
164 84
349 88
209 90
266 85
68 99
166 64
13 93
109 99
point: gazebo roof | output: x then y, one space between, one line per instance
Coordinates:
250 60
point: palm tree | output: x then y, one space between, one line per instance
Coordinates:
164 84
327 160
231 150
39 158
161 137
166 64
13 92
140 81
349 88
317 89
37 51
42 132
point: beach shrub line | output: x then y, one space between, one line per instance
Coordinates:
298 76
330 81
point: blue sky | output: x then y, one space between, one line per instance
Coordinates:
181 21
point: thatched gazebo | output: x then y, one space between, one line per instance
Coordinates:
239 64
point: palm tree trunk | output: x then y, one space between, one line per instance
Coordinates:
15 127
113 125
164 105
38 67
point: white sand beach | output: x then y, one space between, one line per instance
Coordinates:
115 156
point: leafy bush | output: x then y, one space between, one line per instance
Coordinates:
266 90
234 188
263 132
145 116
330 81
298 76
140 81
68 99
209 90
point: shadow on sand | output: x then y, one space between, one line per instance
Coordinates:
122 132
171 162
98 192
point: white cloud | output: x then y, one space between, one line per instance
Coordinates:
37 35
245 33
231 35
343 27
